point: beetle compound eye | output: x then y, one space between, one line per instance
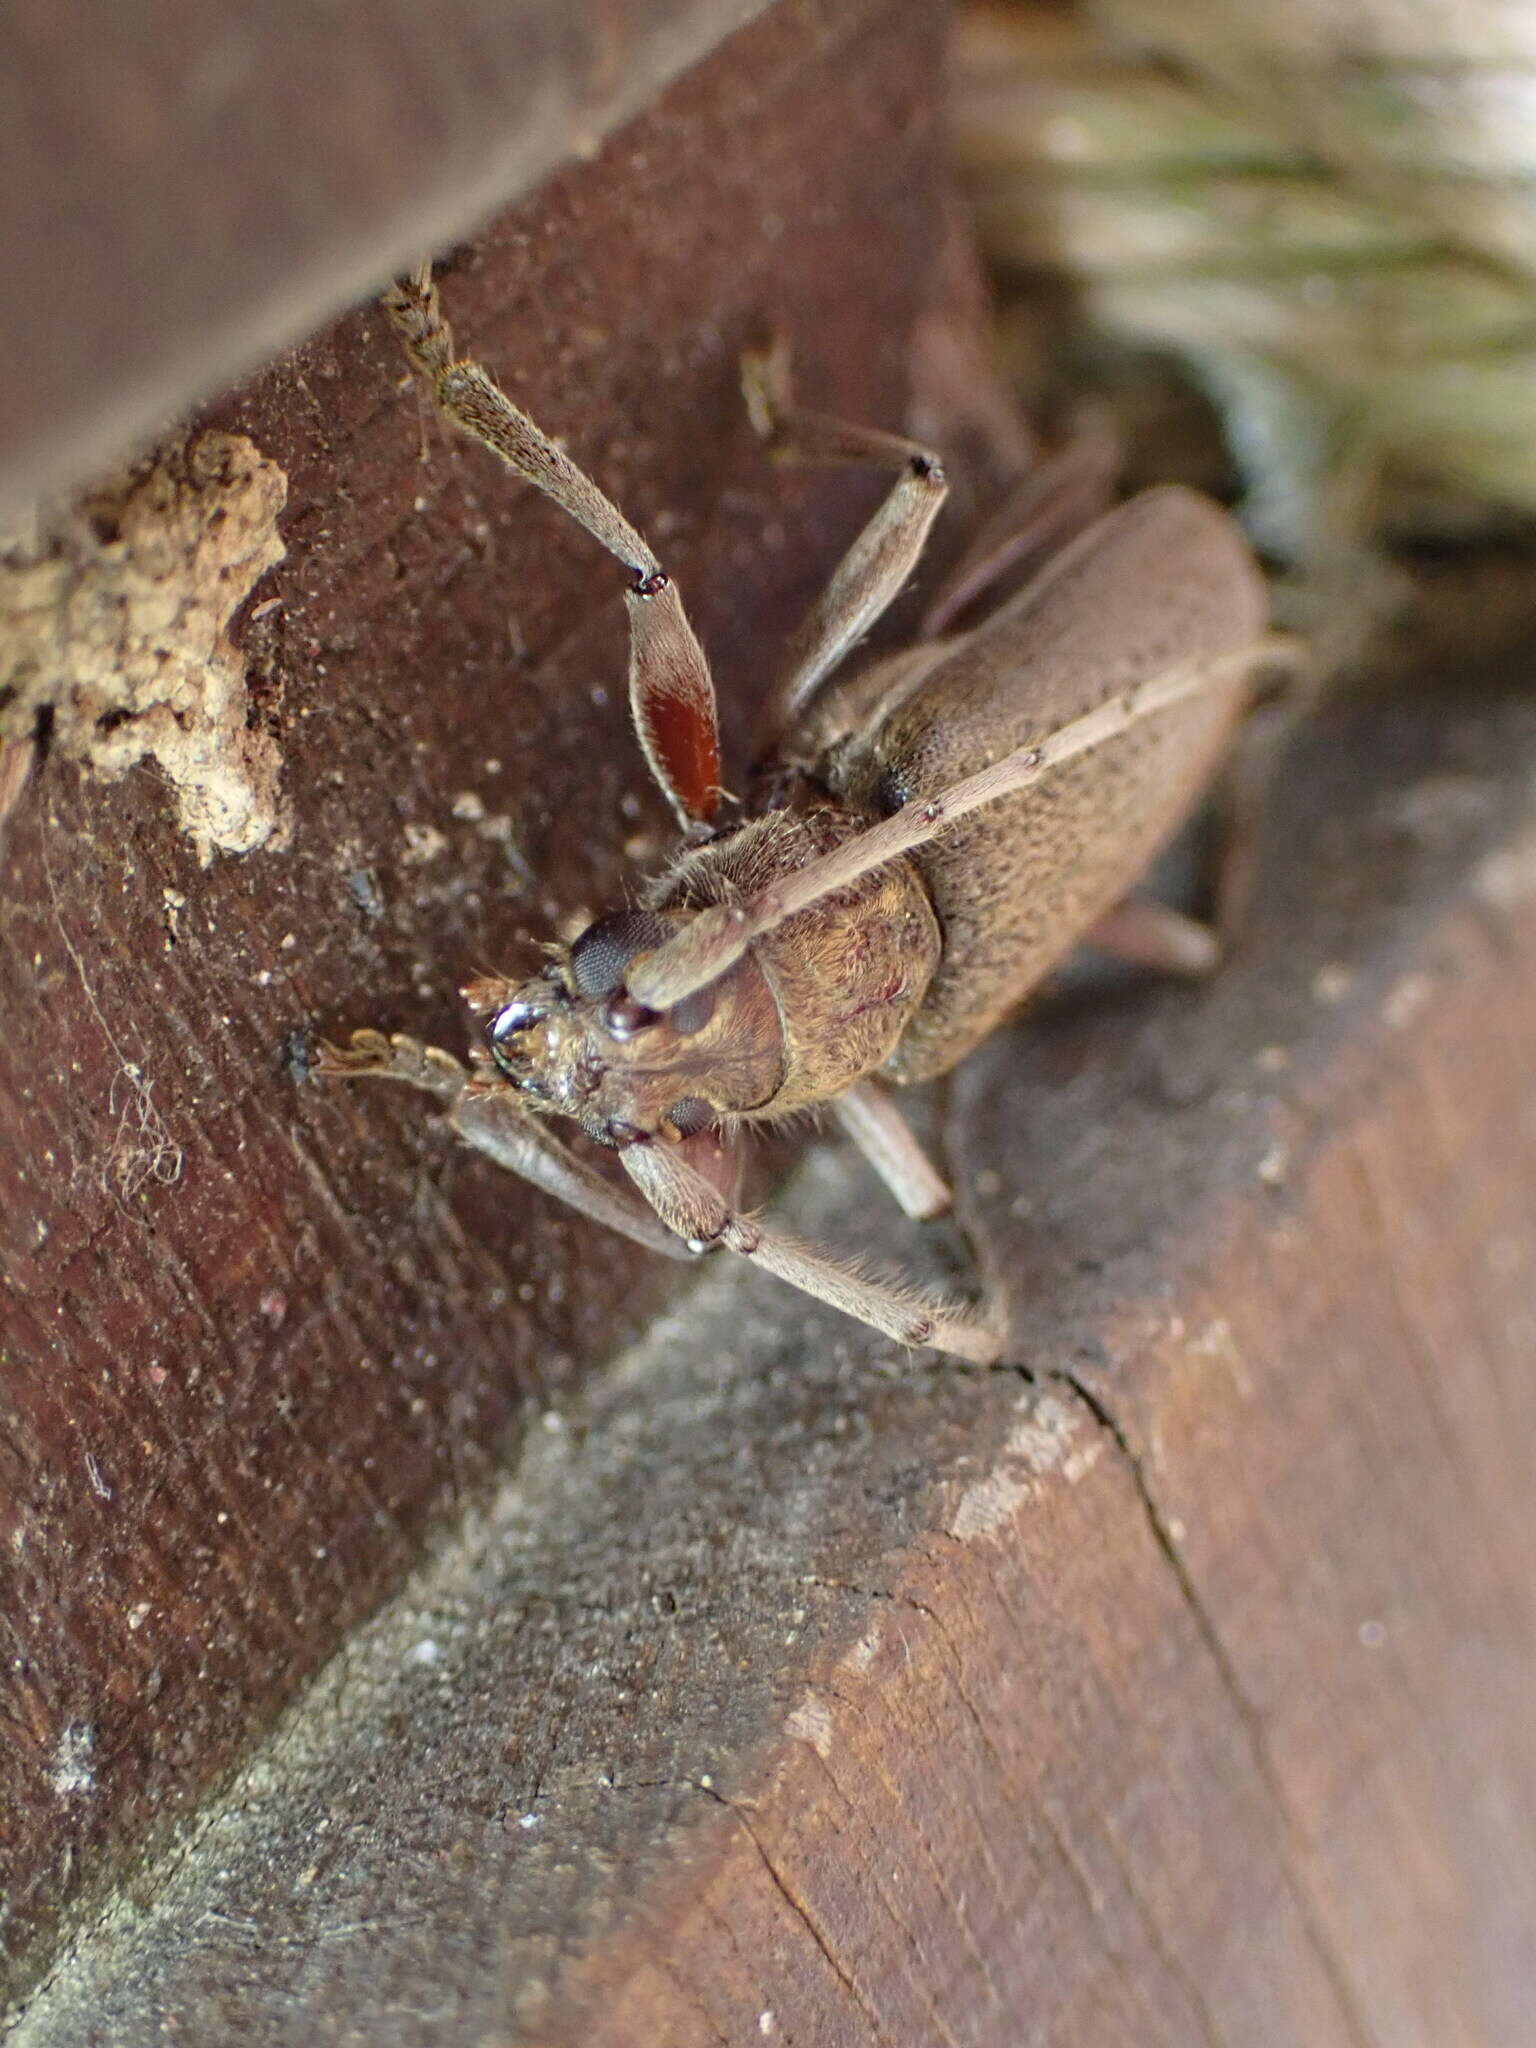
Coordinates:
890 794
600 956
693 1012
690 1116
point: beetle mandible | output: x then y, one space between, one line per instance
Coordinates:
924 839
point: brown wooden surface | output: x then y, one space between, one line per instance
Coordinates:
254 1334
1173 1688
188 188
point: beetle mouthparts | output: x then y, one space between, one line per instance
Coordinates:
508 1023
515 1016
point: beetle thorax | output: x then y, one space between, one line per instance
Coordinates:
848 972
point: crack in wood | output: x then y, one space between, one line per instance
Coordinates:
801 1912
941 2031
1293 1844
955 1898
1210 2032
688 1996
1066 1857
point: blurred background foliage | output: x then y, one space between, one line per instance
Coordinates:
1294 247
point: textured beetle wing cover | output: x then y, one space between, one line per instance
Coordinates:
1163 580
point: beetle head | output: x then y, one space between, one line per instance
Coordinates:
574 1042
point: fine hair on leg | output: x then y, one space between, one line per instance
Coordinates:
880 1131
882 557
690 1206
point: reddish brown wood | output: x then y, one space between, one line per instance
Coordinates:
189 188
239 1375
1172 1688
1174 1692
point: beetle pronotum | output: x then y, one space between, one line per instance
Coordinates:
924 838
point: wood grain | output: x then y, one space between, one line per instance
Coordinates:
189 189
255 1333
1170 1687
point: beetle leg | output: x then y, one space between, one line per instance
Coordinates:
1043 511
689 1205
881 558
1242 791
15 766
671 693
493 1120
1049 507
855 702
1146 933
489 1116
874 1123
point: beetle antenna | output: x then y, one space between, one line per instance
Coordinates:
718 937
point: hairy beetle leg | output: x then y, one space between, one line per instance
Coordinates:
1049 506
1145 933
490 1116
687 1202
883 556
671 692
874 1123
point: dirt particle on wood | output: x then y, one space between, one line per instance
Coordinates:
73 1771
114 632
